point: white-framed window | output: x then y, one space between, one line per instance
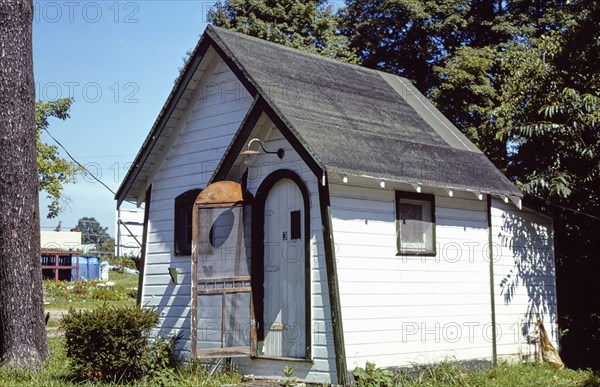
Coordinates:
415 223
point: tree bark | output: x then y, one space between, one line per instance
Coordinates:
22 332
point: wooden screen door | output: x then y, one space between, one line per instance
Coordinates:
222 318
284 306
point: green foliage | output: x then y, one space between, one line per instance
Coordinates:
372 376
89 294
123 262
581 49
107 294
107 246
53 170
467 96
290 379
92 231
406 37
308 25
114 344
445 373
513 98
452 373
498 70
571 128
56 373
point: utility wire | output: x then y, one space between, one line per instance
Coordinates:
572 210
81 165
113 192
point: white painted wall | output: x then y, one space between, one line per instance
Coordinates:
203 132
524 277
402 309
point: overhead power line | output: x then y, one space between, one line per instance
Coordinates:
568 209
81 165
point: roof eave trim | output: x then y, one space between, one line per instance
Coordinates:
517 193
164 115
270 107
235 147
260 106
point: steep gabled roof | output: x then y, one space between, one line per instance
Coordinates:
358 121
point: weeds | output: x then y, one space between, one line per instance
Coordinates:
452 373
90 294
290 379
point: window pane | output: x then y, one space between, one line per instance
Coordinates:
411 226
295 225
415 225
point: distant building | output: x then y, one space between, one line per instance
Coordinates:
60 240
60 254
129 231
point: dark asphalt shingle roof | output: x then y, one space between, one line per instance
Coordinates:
360 121
350 119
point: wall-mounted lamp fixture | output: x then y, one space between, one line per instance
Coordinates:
345 178
280 152
382 184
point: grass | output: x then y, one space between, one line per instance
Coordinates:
86 294
56 373
452 373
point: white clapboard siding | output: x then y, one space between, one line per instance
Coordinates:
402 309
200 138
524 282
322 369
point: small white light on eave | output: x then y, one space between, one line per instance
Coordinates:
416 187
516 201
449 192
345 179
382 184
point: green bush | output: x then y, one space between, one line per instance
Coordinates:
113 344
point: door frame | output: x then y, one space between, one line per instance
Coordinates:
258 250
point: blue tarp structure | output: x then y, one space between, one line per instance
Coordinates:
89 268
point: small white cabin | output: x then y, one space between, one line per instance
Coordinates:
365 226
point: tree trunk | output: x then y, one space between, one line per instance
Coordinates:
22 331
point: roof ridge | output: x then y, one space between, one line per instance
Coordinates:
214 31
258 63
218 29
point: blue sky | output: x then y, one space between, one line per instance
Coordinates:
118 60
